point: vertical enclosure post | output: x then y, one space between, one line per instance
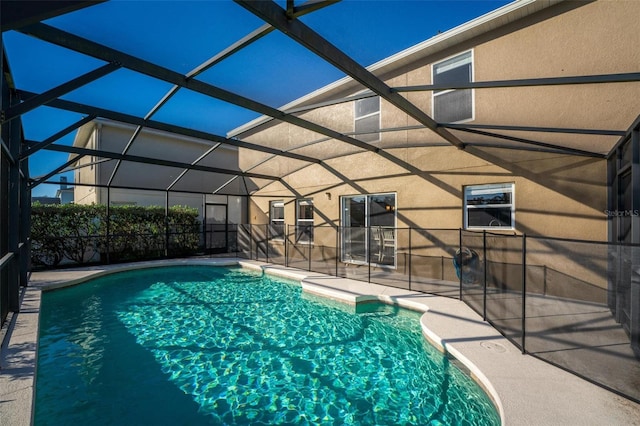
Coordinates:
166 224
268 238
409 261
25 223
634 291
13 215
310 252
368 252
108 227
524 291
338 251
287 249
484 279
204 226
460 261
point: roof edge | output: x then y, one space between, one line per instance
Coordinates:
150 131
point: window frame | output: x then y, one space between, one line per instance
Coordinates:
499 188
273 223
304 222
436 93
375 136
346 255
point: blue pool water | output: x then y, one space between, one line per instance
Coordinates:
209 345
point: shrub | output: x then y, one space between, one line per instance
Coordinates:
79 233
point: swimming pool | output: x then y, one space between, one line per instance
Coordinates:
212 345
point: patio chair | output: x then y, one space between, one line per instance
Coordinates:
387 240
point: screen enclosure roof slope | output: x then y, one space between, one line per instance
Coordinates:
216 72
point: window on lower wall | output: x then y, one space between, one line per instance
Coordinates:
489 206
451 105
276 220
367 119
304 221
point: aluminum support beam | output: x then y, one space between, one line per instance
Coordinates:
193 163
234 48
230 50
271 13
96 50
634 292
56 92
572 151
155 161
363 95
7 152
369 94
25 223
245 41
17 13
51 139
157 125
137 188
635 191
305 8
530 82
600 132
133 137
311 6
44 178
13 216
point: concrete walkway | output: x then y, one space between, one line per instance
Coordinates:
526 390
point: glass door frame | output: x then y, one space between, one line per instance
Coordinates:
373 233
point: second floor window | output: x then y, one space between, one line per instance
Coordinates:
276 218
367 119
304 221
449 105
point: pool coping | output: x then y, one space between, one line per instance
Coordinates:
525 390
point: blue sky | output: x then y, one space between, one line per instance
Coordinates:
180 35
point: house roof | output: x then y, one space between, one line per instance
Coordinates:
157 80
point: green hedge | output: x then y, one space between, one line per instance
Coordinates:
78 233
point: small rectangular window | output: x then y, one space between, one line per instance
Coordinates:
452 105
489 206
276 218
304 221
367 119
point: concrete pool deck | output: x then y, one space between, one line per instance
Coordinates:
527 391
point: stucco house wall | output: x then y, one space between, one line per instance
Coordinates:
555 194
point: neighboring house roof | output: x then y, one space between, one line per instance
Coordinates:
481 25
60 192
45 200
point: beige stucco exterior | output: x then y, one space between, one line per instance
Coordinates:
555 194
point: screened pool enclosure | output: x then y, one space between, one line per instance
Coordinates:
299 146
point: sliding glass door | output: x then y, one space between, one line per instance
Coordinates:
368 228
354 235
